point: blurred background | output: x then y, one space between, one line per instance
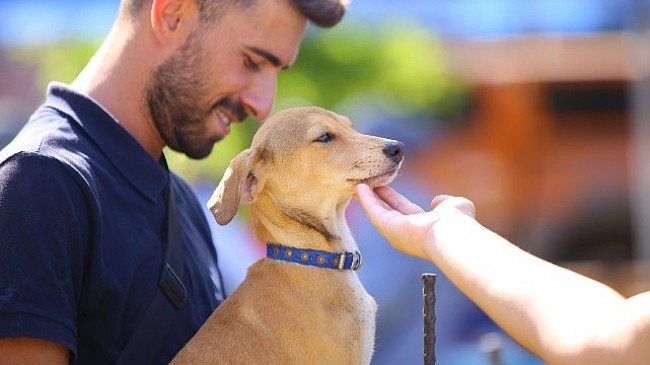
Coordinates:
536 110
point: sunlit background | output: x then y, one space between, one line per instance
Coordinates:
535 110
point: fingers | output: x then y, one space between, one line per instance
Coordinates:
401 222
459 203
379 213
368 199
438 199
385 199
396 201
371 204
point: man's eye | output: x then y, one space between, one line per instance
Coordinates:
325 137
250 64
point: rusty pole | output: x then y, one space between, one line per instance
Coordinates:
428 292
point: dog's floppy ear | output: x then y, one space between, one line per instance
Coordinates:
237 186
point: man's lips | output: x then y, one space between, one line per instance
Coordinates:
223 121
228 112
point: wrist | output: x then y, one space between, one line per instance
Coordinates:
450 228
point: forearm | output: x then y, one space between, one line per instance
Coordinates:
32 351
547 309
563 317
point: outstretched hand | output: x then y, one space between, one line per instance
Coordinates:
404 224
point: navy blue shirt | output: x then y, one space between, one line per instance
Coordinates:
82 229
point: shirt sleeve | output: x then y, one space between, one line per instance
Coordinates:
43 229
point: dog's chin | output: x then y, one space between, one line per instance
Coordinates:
380 180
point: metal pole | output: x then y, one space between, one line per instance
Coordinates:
428 292
491 344
640 130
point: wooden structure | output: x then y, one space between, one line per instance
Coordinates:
546 151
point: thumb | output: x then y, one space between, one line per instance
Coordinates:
448 202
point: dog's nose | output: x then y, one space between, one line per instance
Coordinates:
394 151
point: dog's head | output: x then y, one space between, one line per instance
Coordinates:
309 157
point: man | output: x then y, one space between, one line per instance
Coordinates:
84 186
559 315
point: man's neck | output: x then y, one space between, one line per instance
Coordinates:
116 78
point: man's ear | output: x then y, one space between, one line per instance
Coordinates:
173 20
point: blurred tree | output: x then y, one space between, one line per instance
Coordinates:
396 66
60 62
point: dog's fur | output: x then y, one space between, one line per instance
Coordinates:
298 177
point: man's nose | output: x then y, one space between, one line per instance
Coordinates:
259 97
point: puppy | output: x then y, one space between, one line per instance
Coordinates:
304 303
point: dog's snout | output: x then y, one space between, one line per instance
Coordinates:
394 151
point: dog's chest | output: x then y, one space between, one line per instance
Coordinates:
362 301
333 307
367 310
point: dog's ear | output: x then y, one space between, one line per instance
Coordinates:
237 186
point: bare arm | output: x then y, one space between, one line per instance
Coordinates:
29 351
561 316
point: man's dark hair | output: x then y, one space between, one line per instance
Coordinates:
322 13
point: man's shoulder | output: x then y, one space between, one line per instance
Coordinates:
53 139
46 133
26 175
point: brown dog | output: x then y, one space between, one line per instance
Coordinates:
304 303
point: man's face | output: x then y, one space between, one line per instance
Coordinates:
223 73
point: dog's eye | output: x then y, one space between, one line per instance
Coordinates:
325 137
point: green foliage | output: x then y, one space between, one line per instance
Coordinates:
56 62
397 67
213 167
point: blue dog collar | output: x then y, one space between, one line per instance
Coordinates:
340 261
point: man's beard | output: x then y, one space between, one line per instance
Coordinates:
174 97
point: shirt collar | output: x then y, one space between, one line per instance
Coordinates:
148 176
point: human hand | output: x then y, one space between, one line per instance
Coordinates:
404 224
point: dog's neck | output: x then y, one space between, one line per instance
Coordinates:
286 223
